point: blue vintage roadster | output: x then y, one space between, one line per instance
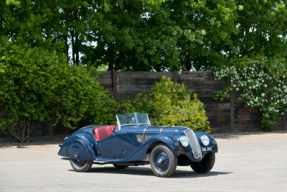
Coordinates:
134 141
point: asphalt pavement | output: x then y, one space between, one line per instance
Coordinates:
256 162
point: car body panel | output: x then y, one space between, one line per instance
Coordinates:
130 143
111 142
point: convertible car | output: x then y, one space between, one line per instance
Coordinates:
134 141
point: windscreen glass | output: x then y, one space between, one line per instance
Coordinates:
133 119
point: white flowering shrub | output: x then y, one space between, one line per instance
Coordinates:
262 84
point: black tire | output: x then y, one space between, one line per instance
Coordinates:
121 166
162 161
206 163
80 165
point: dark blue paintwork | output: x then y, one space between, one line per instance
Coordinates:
124 145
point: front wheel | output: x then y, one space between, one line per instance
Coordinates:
162 161
206 164
81 165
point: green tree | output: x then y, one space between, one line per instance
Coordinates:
149 35
169 35
207 28
262 28
36 84
124 39
59 25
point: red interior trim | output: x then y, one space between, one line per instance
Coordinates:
103 132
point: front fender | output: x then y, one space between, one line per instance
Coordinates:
170 141
212 147
80 146
140 153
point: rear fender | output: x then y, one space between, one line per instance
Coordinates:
80 146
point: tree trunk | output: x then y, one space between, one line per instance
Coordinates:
49 31
187 63
73 47
51 131
1 24
110 56
66 33
158 68
77 48
76 43
118 61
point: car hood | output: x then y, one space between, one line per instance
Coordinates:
155 130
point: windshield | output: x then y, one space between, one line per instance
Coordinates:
132 119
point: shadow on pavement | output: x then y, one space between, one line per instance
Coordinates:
27 145
192 174
144 171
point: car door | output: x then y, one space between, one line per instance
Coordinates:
109 147
130 138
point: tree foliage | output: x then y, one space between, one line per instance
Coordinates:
262 28
142 35
262 83
149 35
169 104
36 84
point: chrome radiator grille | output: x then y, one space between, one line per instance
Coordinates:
196 150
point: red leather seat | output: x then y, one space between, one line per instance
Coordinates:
103 132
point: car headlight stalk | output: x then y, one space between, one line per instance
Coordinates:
204 140
184 141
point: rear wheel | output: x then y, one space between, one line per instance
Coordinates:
80 165
206 163
162 161
121 166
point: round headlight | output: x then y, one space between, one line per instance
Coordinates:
204 140
184 141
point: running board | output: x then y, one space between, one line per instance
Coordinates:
132 163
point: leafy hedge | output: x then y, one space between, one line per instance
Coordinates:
36 85
262 83
169 103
